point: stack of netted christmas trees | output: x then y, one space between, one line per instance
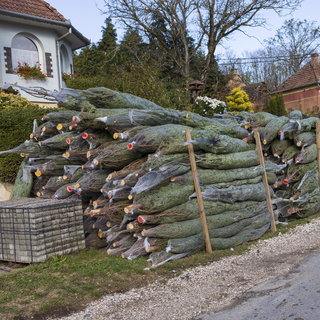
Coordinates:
127 159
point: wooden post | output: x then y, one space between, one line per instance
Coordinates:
265 179
202 213
318 149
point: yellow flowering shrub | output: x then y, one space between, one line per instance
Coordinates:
238 101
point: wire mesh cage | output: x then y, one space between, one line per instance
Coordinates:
32 230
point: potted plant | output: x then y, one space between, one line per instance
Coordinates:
28 72
67 76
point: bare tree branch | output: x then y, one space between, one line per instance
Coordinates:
211 21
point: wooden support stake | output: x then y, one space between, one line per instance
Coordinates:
202 213
318 149
265 179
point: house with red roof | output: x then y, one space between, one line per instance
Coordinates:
301 91
34 34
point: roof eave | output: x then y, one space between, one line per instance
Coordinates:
85 41
82 40
296 88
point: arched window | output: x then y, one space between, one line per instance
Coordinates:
65 60
24 50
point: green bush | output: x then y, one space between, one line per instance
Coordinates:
16 121
144 83
276 105
207 106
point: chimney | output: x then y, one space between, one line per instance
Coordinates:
315 57
234 71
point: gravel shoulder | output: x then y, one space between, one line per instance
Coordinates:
212 287
5 270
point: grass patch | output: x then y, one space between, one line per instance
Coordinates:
68 283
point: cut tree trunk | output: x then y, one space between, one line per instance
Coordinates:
58 141
60 116
128 169
118 194
305 139
63 192
44 131
307 154
128 134
290 153
54 183
96 139
79 155
76 143
92 181
270 131
115 156
55 167
278 147
29 148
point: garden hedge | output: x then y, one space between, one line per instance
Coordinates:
16 120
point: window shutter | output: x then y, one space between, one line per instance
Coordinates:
8 60
49 64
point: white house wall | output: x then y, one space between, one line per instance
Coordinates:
47 38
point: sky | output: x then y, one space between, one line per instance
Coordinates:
87 17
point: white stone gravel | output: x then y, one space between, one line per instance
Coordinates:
208 288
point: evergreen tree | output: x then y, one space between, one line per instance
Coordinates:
132 66
158 38
276 105
108 47
88 61
132 50
238 100
108 40
99 58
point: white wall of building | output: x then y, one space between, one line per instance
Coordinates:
5 191
45 39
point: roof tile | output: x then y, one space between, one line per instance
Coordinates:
37 8
309 74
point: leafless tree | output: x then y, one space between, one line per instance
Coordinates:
208 22
283 54
296 40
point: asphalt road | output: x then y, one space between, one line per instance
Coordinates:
293 296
